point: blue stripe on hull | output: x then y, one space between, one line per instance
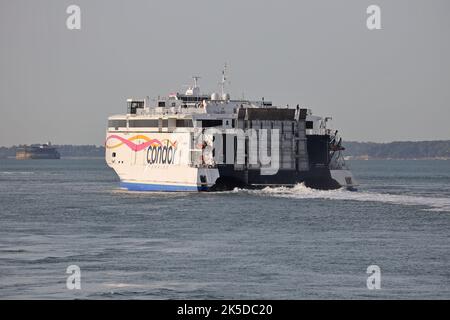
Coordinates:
160 187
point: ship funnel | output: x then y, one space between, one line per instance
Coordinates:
195 90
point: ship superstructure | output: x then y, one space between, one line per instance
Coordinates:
206 142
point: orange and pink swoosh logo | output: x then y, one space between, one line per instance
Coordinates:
137 147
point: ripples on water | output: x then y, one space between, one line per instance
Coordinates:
272 243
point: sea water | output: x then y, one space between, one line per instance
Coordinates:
275 243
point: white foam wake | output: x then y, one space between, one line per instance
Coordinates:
300 191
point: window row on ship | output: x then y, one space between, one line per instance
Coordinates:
116 124
155 123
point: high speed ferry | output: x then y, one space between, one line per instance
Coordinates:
194 141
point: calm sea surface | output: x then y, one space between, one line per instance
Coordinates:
274 243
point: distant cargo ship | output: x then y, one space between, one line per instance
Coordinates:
37 151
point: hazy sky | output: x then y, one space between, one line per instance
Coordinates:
382 85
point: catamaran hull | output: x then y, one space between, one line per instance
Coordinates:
223 179
162 162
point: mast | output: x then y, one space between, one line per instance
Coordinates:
224 79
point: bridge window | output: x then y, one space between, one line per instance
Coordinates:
143 123
117 123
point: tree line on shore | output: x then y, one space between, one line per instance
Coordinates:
439 149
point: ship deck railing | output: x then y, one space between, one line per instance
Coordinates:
172 111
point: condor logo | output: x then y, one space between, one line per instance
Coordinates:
158 152
161 154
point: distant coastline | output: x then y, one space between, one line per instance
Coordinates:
398 150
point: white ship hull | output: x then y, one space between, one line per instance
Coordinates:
156 162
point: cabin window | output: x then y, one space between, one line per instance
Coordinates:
189 99
161 104
113 154
211 123
309 125
117 123
143 123
184 123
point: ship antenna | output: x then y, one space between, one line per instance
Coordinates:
224 78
